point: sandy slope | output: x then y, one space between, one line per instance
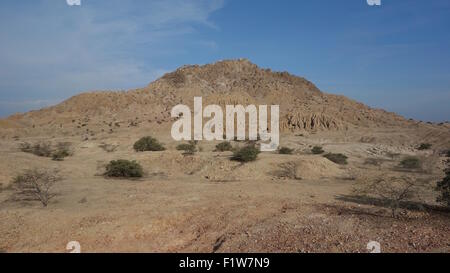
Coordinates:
206 202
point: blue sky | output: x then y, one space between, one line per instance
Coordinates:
395 56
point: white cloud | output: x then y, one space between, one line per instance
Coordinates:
52 50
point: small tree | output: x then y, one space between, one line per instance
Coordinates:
148 144
224 146
245 154
317 150
391 190
285 151
36 185
124 168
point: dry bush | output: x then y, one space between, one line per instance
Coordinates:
224 146
391 191
40 149
287 170
337 158
45 149
285 151
411 162
373 161
317 150
109 148
446 153
25 147
424 146
35 185
188 148
148 144
62 151
246 154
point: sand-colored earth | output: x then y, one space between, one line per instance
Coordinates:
207 203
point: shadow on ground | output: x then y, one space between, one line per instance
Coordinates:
387 203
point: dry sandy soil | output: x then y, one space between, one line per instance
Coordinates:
208 203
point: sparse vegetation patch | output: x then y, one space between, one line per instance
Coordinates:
285 151
62 151
373 161
224 146
337 158
246 154
188 148
317 150
424 146
443 187
411 162
447 153
40 149
45 149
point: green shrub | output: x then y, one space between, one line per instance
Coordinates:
60 155
337 158
444 189
124 168
224 146
246 154
183 147
317 150
410 162
148 144
424 146
285 151
188 148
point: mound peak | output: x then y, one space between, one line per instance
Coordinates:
302 105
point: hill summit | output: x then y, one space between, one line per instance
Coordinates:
302 105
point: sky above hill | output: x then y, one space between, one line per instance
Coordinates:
395 56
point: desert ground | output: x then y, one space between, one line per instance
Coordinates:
205 202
